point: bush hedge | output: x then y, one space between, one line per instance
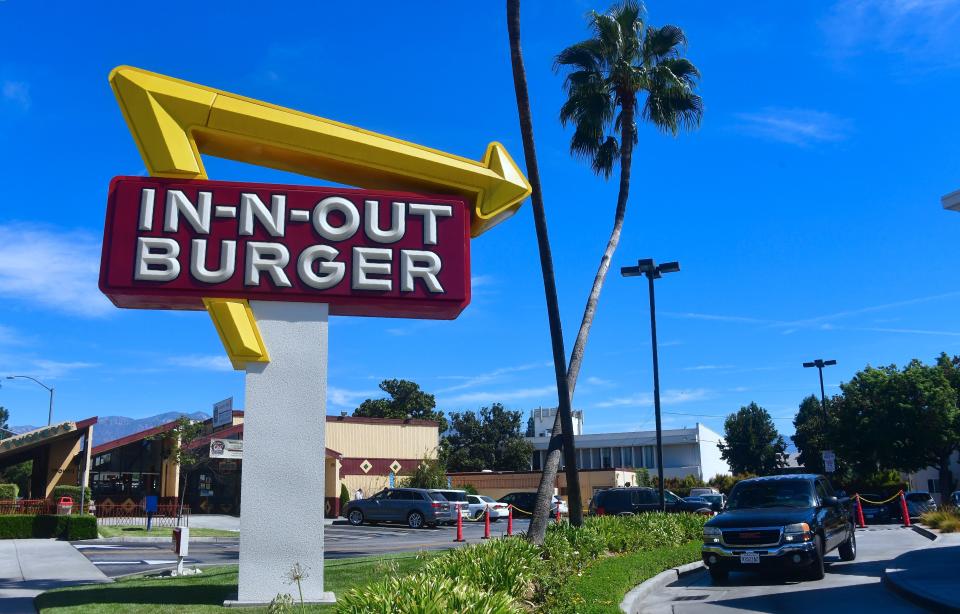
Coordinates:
70 491
22 526
8 492
510 575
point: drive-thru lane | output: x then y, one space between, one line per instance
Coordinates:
115 558
853 586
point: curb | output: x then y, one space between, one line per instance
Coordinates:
925 601
156 540
924 532
632 599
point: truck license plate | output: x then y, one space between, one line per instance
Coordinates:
750 557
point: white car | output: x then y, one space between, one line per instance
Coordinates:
478 503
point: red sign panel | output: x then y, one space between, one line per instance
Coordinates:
168 243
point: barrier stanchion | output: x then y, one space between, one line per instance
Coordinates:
860 519
904 509
558 513
486 524
509 520
459 527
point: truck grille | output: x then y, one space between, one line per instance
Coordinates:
751 537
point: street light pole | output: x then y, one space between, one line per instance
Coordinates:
49 389
820 364
653 271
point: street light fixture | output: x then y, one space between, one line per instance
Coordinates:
38 382
649 268
820 364
951 201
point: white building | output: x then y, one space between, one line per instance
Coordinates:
688 451
929 480
543 418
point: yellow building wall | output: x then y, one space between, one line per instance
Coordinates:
361 440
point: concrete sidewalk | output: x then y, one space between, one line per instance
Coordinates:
928 576
29 567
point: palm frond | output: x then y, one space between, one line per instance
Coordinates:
682 70
672 109
606 157
607 32
630 15
585 55
589 102
662 43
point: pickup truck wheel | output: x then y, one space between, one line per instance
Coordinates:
415 520
848 549
719 575
817 571
355 518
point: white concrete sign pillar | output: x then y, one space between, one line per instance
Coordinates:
282 488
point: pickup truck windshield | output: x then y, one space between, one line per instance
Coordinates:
775 493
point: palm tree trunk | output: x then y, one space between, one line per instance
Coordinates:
538 524
552 460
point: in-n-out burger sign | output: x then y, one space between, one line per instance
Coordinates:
170 243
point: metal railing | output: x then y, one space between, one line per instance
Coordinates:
136 515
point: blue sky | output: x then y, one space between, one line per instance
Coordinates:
805 212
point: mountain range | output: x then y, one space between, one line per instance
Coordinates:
109 428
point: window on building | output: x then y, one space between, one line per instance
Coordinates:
536 460
617 458
605 458
648 458
628 457
638 456
595 458
933 486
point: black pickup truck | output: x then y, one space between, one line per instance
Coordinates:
786 522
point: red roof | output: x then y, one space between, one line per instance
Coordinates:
237 430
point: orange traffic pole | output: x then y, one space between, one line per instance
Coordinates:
904 509
860 519
459 527
558 513
510 520
486 523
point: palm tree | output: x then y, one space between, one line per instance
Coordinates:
625 68
538 524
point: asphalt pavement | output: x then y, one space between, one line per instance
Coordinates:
853 586
341 540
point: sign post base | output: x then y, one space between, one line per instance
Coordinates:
282 488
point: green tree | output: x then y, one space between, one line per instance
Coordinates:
406 400
861 413
4 418
626 70
752 442
429 474
562 434
488 439
809 436
176 446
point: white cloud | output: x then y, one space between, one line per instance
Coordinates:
16 92
57 270
51 369
341 397
922 33
667 397
9 336
599 382
213 362
503 396
801 127
707 367
478 281
469 381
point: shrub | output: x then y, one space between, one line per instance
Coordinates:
8 492
424 594
41 526
470 489
502 565
70 491
344 497
946 520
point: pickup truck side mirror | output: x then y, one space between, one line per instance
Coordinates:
831 502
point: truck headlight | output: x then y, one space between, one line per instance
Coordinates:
711 535
799 532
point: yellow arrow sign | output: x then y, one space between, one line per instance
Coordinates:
174 121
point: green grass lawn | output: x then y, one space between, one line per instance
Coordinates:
140 531
604 584
206 592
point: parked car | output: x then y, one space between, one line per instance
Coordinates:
416 507
458 500
786 522
703 490
955 498
477 504
637 499
524 502
716 501
879 514
920 502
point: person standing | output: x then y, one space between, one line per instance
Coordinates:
358 495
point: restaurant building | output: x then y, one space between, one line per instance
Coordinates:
364 453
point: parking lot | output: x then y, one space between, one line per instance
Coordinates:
341 540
